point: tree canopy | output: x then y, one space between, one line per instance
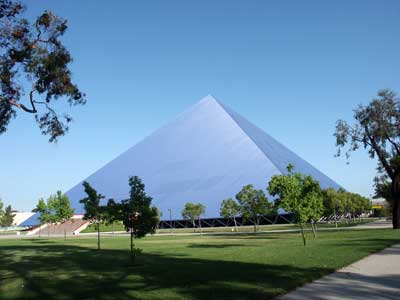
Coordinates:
41 208
34 69
299 194
91 203
383 189
94 212
8 217
56 209
230 210
377 130
193 211
1 208
137 213
253 204
61 207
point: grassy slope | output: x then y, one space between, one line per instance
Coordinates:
104 228
184 267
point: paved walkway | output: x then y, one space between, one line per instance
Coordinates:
379 224
375 277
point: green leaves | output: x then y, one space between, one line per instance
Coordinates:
7 219
229 208
377 130
253 204
137 213
62 207
193 211
6 216
56 209
91 203
35 52
1 208
298 194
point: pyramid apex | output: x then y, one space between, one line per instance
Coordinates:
209 98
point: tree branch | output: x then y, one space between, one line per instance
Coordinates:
362 141
21 106
394 144
380 154
32 110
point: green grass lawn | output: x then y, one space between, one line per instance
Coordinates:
178 267
104 228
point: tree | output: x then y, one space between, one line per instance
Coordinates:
359 204
41 208
35 53
62 209
377 130
94 212
383 189
331 202
1 209
229 210
316 205
298 194
8 217
136 213
253 204
193 211
46 212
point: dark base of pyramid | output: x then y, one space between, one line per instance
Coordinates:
221 222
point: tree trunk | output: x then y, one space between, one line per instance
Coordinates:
234 221
65 234
98 236
200 225
312 227
40 229
255 225
302 233
314 231
132 250
48 231
396 213
194 225
396 203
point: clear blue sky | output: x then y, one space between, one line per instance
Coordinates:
291 67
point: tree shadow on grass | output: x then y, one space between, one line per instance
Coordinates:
73 272
219 246
248 236
41 241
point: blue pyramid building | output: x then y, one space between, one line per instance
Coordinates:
207 154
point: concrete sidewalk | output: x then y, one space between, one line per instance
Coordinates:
375 277
379 224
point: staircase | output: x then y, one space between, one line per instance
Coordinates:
70 227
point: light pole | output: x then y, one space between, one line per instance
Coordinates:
170 218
